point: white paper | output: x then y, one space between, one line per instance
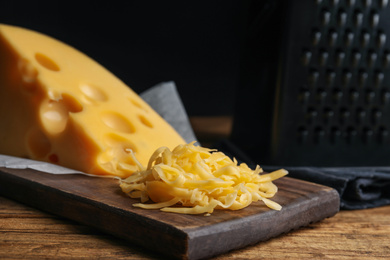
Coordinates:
20 163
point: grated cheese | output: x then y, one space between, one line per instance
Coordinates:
196 180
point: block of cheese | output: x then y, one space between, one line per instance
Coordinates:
60 106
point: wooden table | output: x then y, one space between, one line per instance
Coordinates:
31 234
27 233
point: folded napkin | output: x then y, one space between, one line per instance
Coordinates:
358 187
165 100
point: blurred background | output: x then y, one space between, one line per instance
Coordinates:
286 82
197 44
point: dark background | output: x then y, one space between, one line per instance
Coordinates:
197 44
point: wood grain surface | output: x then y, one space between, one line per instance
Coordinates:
98 202
28 233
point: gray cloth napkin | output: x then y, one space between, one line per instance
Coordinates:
165 100
358 187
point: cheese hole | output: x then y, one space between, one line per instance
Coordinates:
71 103
114 140
145 121
54 117
117 151
46 62
93 92
38 144
137 104
28 73
118 122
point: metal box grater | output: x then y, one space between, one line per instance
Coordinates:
326 97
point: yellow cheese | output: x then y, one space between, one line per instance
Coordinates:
196 180
59 105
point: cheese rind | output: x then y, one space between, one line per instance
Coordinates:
59 105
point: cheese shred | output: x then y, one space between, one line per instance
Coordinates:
196 180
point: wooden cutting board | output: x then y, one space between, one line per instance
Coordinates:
99 202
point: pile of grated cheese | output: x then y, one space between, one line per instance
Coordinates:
196 180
